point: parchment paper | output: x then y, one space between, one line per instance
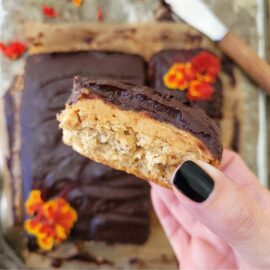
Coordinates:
144 39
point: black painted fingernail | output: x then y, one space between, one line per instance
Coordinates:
193 181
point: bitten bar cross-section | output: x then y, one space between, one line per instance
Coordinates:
136 129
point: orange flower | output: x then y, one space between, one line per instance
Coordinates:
13 50
51 221
178 76
200 90
195 76
206 66
77 3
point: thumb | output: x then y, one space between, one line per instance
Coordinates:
226 209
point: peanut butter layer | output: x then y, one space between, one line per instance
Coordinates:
183 115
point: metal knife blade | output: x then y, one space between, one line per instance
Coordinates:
197 14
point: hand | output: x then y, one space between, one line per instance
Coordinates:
216 220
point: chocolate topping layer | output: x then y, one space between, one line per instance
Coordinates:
107 201
183 115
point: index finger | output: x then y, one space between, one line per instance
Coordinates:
234 167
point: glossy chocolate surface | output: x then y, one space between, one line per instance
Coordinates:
112 206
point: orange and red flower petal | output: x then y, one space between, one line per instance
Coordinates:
45 243
206 78
179 76
182 84
49 12
49 209
60 232
177 67
34 202
13 50
189 72
32 226
199 90
206 66
170 80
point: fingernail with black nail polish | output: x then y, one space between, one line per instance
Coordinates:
193 181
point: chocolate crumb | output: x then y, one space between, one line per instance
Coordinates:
126 31
85 257
139 262
88 39
57 262
37 43
236 134
192 38
164 258
30 39
165 35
